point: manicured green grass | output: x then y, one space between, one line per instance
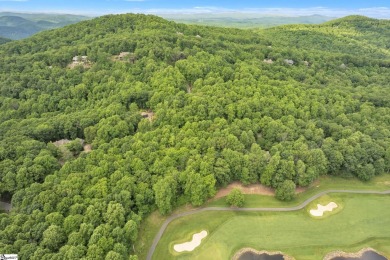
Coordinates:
152 224
379 183
149 229
363 221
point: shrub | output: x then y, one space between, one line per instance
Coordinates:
286 190
235 198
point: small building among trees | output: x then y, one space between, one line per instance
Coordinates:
126 56
123 55
268 61
148 114
289 62
80 60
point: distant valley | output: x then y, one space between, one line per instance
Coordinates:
4 40
244 20
17 26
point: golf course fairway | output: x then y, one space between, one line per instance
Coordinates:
363 220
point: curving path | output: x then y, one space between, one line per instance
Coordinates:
300 206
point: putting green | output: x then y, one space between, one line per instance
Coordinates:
363 221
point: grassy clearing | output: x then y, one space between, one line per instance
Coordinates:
364 221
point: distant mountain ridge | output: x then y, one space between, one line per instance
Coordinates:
22 25
17 26
243 20
4 40
52 17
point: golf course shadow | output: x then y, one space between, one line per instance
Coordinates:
252 254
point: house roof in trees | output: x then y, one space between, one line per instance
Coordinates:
61 142
123 54
147 114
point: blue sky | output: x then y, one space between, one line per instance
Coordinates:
373 8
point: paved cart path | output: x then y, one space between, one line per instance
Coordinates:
300 206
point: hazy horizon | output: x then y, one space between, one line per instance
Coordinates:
374 8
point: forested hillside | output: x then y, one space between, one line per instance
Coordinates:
173 112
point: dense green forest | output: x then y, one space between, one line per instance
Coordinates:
185 110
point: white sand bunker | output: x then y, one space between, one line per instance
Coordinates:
321 209
194 243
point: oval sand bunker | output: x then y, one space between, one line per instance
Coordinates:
321 209
194 243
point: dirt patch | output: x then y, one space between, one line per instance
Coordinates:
258 189
248 189
300 189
